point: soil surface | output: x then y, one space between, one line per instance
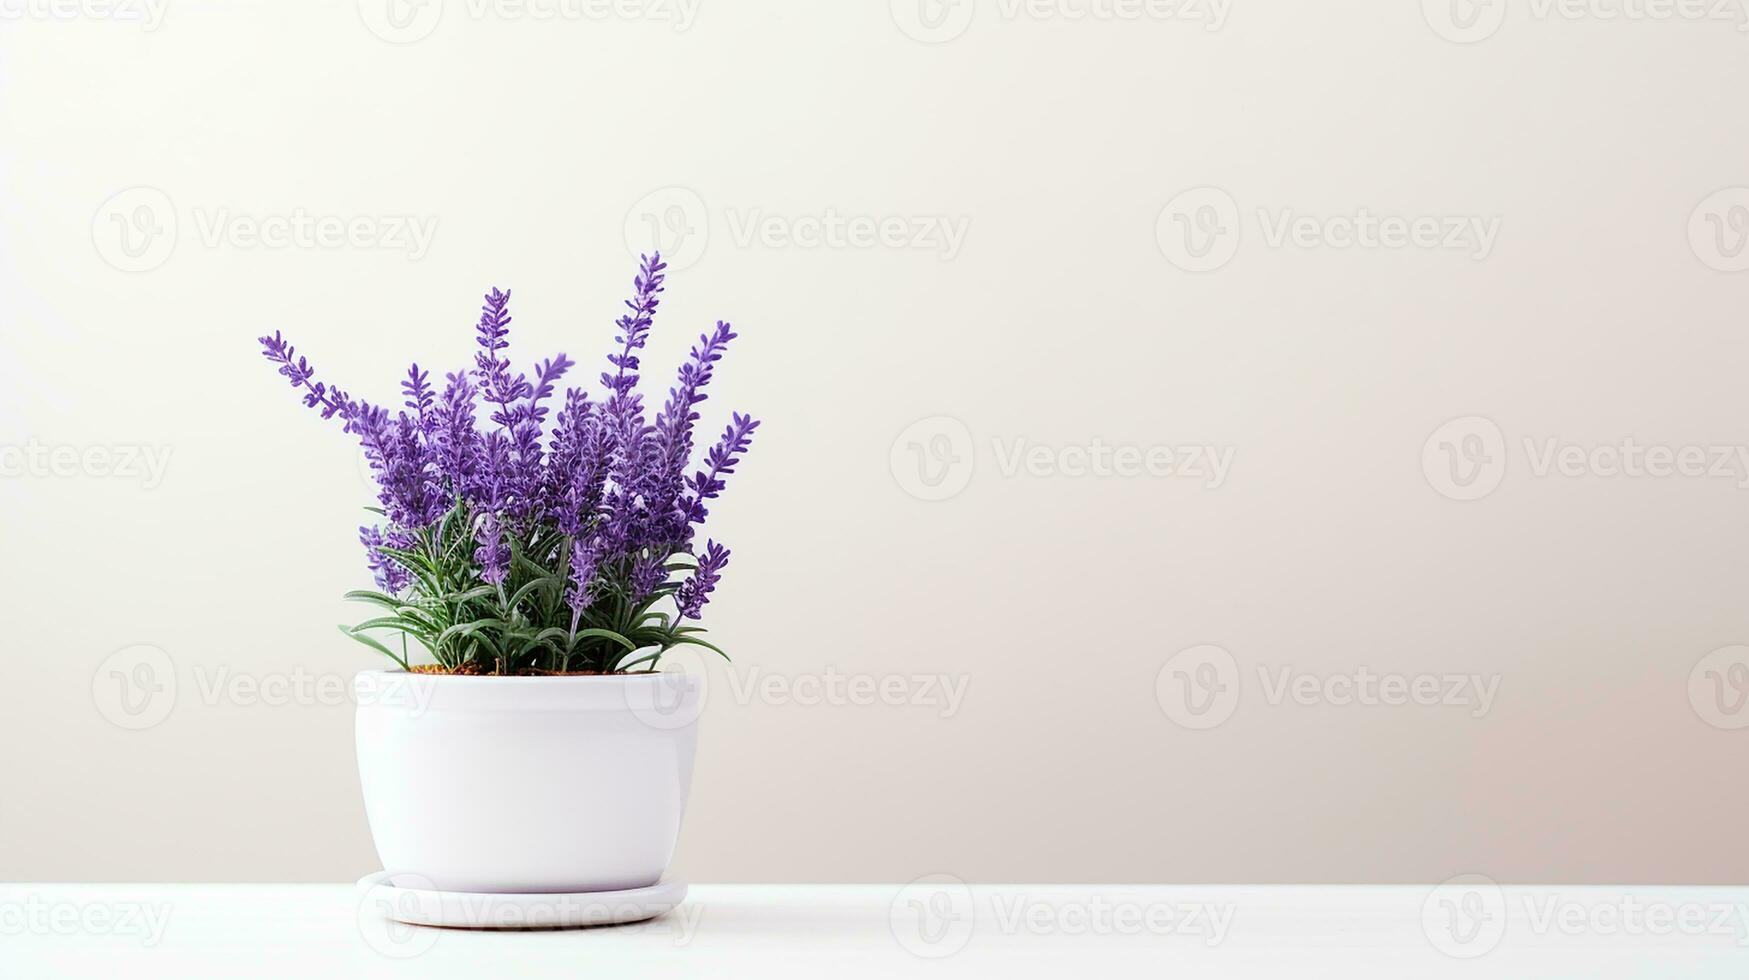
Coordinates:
475 670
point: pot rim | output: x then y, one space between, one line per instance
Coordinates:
516 678
664 698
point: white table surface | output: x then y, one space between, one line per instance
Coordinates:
837 931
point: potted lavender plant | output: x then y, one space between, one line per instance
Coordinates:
541 571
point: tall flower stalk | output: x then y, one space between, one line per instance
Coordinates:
510 545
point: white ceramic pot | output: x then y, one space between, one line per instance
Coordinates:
526 784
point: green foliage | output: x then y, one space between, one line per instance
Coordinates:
523 625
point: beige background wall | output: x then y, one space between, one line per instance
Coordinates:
950 235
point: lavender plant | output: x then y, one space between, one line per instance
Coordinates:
509 545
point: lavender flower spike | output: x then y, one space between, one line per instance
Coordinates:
635 326
573 509
696 590
389 574
332 401
583 563
493 557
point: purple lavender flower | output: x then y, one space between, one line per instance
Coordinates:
723 458
332 401
389 575
635 326
576 472
600 495
497 384
696 590
420 399
492 556
454 441
583 565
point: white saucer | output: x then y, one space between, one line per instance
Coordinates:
481 910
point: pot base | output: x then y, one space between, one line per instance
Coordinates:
400 897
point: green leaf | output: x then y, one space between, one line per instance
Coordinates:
380 598
540 570
471 631
695 641
522 593
374 645
607 635
650 658
478 592
390 623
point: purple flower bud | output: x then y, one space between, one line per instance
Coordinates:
696 590
492 556
389 575
583 564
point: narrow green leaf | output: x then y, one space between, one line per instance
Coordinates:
374 645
